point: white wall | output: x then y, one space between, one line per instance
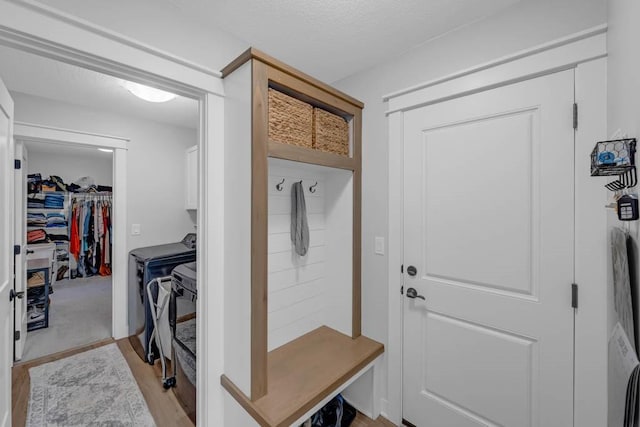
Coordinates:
72 166
155 169
623 105
522 26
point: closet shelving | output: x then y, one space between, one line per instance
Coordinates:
62 247
281 373
38 285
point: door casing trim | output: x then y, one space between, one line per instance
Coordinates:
586 54
26 132
31 26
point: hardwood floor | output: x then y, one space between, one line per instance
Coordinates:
364 421
163 405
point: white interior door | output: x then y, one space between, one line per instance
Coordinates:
6 254
489 225
20 239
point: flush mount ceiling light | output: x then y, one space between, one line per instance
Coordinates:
105 150
147 93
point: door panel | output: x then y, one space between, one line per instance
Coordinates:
470 149
489 229
20 233
505 363
6 254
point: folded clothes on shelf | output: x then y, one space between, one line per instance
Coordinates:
35 219
54 201
36 201
37 236
56 222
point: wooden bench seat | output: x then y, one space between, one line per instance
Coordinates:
305 371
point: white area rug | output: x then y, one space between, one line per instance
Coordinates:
94 388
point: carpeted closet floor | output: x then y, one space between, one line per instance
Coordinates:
79 314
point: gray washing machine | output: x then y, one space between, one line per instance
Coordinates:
146 264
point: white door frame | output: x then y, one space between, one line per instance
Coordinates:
584 52
27 132
37 28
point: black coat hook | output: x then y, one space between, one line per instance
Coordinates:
279 185
312 189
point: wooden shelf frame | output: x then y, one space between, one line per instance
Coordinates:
268 72
294 153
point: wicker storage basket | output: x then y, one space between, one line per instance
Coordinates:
330 132
290 120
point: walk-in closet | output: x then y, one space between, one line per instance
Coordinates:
68 253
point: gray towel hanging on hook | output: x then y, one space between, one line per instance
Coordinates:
299 224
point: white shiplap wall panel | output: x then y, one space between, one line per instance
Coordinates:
299 327
294 314
291 261
300 292
281 205
282 223
281 242
297 285
287 278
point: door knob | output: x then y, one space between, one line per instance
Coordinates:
412 271
413 294
13 295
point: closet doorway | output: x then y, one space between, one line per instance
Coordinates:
66 196
153 193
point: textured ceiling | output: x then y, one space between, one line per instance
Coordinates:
332 39
329 39
43 77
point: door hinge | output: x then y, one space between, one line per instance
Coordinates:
402 268
17 164
16 250
16 335
402 290
574 295
575 115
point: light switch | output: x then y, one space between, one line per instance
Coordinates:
135 229
380 245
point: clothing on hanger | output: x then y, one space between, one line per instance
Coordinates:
90 242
